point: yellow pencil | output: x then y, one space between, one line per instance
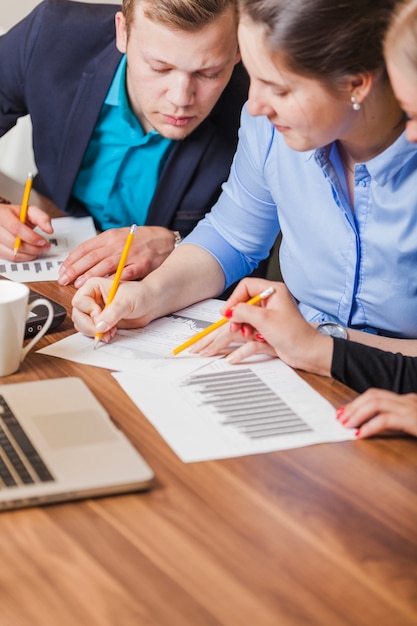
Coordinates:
261 296
23 210
117 275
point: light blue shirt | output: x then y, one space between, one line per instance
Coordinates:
355 267
121 166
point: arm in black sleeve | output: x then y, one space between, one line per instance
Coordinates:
360 367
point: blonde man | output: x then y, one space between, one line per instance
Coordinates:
135 116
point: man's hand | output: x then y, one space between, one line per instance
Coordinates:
32 243
100 255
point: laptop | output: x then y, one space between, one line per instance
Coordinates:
58 443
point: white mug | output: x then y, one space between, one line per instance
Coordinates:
14 310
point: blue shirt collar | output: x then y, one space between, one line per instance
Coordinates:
117 96
384 166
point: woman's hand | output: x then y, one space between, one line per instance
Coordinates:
274 327
129 309
377 410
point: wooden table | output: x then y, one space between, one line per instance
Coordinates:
319 536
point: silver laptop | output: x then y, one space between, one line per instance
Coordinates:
58 443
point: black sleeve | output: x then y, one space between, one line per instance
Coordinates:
361 367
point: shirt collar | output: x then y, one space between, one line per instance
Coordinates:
117 96
384 166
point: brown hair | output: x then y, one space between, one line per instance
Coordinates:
324 39
401 39
188 15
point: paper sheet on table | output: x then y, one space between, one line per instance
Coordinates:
68 233
224 410
144 349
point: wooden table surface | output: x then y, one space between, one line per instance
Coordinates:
324 535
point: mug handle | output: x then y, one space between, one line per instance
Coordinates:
45 327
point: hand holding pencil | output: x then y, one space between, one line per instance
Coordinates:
255 300
23 209
276 329
116 280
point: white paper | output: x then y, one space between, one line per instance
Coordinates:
144 349
68 233
224 410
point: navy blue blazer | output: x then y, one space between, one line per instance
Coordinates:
57 65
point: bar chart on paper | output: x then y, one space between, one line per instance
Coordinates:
35 270
223 410
243 401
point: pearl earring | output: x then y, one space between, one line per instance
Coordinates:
355 105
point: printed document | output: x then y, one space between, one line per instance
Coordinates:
144 349
223 410
206 408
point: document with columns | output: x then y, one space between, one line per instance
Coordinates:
224 410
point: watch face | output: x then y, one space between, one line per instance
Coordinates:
331 329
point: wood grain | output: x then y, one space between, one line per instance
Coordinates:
318 536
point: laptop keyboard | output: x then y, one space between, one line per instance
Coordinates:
20 463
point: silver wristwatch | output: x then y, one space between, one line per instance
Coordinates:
177 236
332 329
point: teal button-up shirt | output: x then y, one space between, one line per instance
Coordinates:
121 166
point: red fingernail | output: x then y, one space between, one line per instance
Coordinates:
358 433
259 337
229 313
339 412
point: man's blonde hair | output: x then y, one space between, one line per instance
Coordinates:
188 15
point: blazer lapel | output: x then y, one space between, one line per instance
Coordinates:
177 174
82 118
